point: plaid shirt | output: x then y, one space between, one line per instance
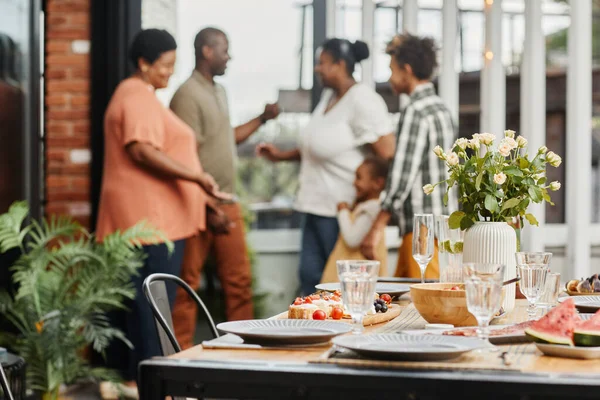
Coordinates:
424 124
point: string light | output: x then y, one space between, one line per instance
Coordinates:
489 2
489 55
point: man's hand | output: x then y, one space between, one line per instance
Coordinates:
271 112
268 151
343 206
370 242
218 221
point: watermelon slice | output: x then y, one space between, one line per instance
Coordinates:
557 326
587 333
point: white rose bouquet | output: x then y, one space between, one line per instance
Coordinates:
499 184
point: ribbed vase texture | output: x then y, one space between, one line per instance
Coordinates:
494 243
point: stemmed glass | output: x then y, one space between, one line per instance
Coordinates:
483 286
532 267
422 244
357 280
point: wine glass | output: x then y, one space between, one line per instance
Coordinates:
549 298
483 287
357 280
422 245
532 267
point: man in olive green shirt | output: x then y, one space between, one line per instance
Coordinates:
202 104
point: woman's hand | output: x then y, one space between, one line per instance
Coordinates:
211 187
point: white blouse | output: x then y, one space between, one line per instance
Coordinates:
332 147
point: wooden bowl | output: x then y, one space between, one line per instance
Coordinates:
439 306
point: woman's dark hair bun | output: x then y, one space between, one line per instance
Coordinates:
360 50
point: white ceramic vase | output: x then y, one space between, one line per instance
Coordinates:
494 243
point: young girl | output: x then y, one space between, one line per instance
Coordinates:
355 223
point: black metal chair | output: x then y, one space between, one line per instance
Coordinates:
5 385
156 294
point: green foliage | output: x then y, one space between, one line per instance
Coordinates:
557 41
498 184
66 282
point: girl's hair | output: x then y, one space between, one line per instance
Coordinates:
350 53
378 166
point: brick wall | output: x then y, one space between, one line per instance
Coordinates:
67 108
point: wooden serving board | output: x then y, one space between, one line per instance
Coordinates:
392 312
571 293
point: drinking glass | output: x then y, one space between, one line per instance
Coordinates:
483 286
422 245
450 245
440 230
532 267
549 298
357 280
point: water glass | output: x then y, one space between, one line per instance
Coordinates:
483 286
450 253
357 280
532 268
422 244
549 298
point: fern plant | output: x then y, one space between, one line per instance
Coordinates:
66 283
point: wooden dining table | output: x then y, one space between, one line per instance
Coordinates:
517 371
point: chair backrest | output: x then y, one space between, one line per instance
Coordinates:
156 293
5 385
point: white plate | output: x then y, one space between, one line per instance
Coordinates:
408 347
584 303
557 350
504 339
393 289
285 331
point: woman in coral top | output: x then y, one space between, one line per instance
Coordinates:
151 172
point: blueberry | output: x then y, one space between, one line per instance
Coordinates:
384 308
378 307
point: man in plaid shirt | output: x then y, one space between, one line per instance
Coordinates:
424 124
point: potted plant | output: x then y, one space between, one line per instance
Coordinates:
495 185
66 282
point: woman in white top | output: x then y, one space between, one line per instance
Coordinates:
350 120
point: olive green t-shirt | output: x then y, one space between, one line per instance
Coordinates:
203 106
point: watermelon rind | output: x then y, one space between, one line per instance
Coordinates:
586 338
547 338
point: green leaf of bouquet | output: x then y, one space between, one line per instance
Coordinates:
523 163
454 221
478 181
513 171
491 204
466 223
510 203
445 199
542 180
535 193
531 219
